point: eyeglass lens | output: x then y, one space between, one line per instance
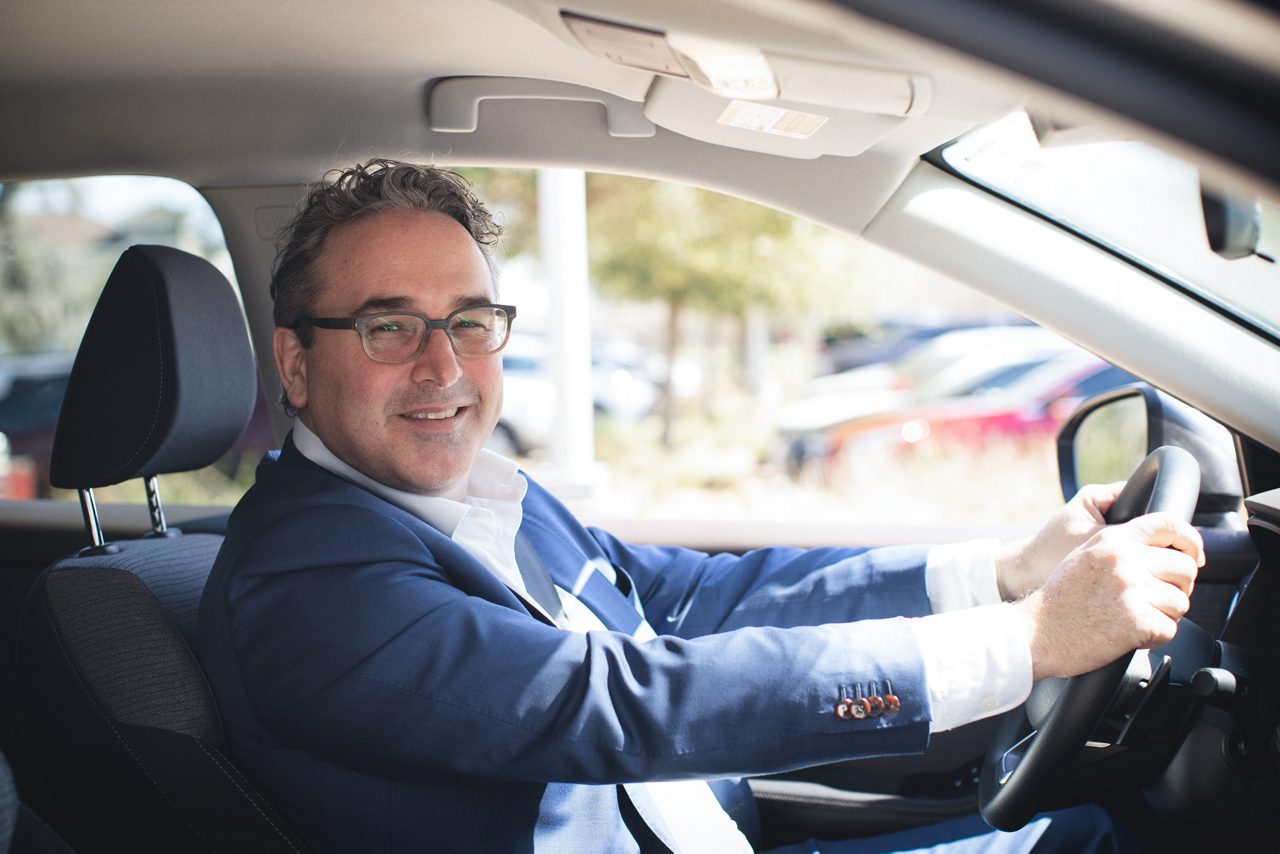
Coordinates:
472 332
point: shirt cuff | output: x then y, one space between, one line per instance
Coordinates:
962 575
977 662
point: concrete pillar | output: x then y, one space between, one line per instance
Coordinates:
562 243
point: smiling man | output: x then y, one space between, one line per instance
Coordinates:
415 413
416 647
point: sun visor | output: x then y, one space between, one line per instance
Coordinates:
782 127
741 96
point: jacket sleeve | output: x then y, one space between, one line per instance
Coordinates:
689 593
390 668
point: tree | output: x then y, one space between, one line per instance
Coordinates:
697 250
45 297
512 196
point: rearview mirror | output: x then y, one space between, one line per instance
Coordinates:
1240 228
1108 435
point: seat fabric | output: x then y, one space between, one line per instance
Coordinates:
126 713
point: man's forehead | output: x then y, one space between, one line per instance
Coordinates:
403 259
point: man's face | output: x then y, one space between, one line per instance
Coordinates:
415 426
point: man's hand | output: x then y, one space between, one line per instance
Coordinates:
1124 589
1025 565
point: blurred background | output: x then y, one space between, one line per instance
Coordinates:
746 366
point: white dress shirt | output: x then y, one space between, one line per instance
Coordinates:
976 650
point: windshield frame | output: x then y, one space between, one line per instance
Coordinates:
938 159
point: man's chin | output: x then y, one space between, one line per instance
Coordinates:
438 481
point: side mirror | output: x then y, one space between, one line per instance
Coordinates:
1108 435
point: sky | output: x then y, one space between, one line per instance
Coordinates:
111 199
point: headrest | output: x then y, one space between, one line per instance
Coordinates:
164 380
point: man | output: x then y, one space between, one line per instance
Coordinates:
416 647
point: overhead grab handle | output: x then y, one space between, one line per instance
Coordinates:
453 104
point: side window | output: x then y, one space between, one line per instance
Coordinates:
58 243
749 367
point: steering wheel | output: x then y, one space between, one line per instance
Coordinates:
1038 745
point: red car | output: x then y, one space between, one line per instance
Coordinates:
1035 404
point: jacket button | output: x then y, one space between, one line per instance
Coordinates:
875 706
891 704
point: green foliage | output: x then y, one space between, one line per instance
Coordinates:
47 289
711 252
512 196
1111 441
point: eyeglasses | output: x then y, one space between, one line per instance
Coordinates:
399 336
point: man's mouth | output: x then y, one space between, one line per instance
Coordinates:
438 415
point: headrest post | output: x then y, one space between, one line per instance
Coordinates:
89 508
158 525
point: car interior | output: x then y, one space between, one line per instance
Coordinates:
839 111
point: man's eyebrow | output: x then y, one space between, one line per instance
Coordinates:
381 304
468 302
389 303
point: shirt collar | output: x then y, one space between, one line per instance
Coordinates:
494 483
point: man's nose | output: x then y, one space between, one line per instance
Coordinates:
437 363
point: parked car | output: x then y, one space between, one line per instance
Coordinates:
958 363
1033 406
885 342
31 392
620 385
31 389
1108 170
17 474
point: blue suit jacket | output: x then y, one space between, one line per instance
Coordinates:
393 695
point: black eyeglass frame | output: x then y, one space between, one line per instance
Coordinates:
361 322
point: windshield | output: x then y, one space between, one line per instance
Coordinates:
1131 198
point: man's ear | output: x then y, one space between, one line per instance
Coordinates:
291 365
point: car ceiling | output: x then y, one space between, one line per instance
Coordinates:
237 92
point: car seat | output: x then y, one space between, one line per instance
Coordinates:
21 830
116 711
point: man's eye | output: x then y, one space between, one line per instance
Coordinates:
472 323
386 326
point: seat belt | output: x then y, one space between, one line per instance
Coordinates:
537 581
646 808
641 816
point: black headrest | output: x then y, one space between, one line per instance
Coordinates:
164 380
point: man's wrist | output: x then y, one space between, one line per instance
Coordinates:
1030 611
1013 576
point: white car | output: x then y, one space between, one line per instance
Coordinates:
620 385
